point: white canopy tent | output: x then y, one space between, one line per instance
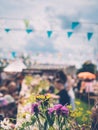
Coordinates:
16 66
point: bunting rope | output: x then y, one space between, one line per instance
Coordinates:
29 29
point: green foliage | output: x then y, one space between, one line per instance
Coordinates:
25 125
51 128
45 125
33 120
84 105
88 67
52 117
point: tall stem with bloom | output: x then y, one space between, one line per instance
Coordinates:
39 123
58 119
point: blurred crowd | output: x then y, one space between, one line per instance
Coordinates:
10 86
64 88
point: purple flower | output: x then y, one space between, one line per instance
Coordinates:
58 108
34 108
64 111
61 110
51 110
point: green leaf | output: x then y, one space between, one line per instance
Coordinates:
51 128
33 119
45 125
28 123
21 128
68 129
24 124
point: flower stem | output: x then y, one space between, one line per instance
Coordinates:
39 123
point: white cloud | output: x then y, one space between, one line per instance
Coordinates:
45 15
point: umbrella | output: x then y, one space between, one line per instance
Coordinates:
86 75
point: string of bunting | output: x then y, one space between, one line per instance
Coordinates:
29 30
50 32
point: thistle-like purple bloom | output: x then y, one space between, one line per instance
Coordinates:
64 111
51 110
35 108
61 110
58 108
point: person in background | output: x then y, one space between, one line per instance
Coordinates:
18 80
4 90
0 79
3 76
8 106
82 88
51 86
89 87
59 81
13 106
13 90
79 85
69 88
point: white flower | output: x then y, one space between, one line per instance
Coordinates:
18 124
23 120
28 117
5 124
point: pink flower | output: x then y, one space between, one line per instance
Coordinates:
51 110
65 110
61 110
58 106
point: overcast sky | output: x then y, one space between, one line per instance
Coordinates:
56 15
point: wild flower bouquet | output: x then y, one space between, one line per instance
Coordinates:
41 114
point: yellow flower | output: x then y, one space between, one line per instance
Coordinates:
73 114
84 119
81 109
78 114
48 96
42 97
69 106
88 112
77 102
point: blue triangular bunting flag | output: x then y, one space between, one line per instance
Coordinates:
7 29
89 35
69 34
49 33
29 30
74 24
13 54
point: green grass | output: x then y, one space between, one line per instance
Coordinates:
84 105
